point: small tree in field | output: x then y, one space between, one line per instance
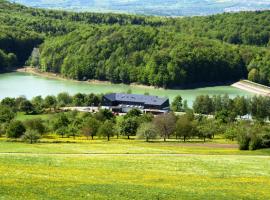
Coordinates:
31 136
35 124
106 130
129 126
147 131
165 125
90 128
62 131
184 127
231 133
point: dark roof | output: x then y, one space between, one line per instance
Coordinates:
147 100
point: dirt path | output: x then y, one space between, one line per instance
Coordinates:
122 154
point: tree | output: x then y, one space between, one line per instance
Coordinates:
38 104
62 131
184 127
90 127
72 130
104 114
36 125
231 132
203 105
165 124
225 116
206 128
15 129
79 99
50 102
60 121
6 114
147 131
129 126
64 99
177 104
26 106
2 129
241 106
133 113
9 102
31 136
106 129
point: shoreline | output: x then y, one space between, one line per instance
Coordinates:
34 71
51 75
252 87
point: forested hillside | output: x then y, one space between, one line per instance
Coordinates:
165 52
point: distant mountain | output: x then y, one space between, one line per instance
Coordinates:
152 7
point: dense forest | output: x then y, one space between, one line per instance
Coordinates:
164 52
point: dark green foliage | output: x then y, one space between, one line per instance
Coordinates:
133 113
152 58
177 104
15 129
64 99
203 105
50 102
26 106
6 114
35 125
129 126
104 115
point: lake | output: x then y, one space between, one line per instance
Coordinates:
16 84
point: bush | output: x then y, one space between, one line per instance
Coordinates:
31 136
255 142
35 124
243 140
15 129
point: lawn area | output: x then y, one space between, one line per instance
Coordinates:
122 169
134 177
123 146
22 117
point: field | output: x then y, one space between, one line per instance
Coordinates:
122 169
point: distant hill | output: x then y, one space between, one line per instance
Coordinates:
152 7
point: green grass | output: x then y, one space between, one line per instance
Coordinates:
22 117
121 146
122 169
134 177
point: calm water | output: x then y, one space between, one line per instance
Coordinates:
16 84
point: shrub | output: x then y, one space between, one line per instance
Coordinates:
31 136
15 129
255 142
243 140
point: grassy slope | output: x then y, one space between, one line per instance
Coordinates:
134 177
122 147
122 169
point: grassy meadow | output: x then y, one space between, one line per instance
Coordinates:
122 169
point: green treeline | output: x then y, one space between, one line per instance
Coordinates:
145 55
164 52
228 120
